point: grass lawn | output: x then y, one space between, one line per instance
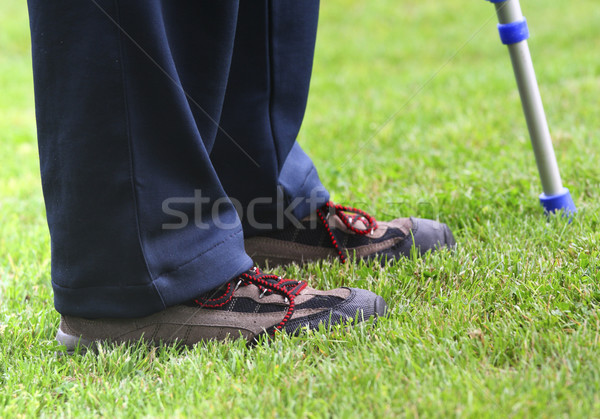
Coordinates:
413 111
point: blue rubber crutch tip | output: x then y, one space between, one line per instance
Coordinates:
561 201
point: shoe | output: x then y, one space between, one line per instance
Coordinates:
246 307
337 231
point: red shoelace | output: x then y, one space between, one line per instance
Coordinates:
268 284
349 216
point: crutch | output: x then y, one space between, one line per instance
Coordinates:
514 33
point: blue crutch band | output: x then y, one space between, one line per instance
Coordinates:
514 32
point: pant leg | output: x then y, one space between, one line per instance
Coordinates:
127 98
264 107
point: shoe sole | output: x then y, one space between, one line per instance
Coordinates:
77 344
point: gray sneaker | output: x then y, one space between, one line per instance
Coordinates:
250 305
337 231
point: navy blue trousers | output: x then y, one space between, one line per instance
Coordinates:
163 124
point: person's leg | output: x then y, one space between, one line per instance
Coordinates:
258 159
127 99
263 110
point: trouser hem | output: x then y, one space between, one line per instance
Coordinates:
222 262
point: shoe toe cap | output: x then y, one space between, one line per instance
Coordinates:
428 235
360 306
381 308
364 303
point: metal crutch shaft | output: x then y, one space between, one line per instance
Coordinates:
514 33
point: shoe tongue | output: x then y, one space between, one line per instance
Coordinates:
219 296
293 286
255 273
359 222
356 221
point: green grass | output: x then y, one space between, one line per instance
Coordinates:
507 326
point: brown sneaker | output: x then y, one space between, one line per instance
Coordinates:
337 231
248 306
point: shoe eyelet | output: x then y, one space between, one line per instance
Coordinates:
238 285
262 294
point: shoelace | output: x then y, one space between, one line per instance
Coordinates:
349 221
267 284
